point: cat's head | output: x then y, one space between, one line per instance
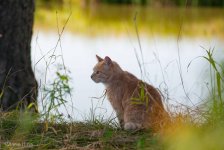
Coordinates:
104 70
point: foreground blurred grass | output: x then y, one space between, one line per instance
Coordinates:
196 138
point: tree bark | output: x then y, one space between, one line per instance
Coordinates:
18 86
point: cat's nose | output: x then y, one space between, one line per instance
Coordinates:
91 76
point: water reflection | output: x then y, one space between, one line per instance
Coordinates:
113 19
160 62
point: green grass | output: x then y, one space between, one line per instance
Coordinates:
74 135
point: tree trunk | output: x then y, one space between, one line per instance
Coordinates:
18 86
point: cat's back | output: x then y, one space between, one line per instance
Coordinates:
138 84
135 86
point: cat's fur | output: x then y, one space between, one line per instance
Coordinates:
137 104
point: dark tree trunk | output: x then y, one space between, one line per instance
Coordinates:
18 86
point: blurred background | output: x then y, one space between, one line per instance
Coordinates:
167 35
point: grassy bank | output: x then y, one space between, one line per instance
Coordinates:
25 131
20 130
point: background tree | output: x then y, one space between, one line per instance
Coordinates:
17 80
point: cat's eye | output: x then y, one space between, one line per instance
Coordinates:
97 72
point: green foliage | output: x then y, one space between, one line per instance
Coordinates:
141 143
55 96
211 2
143 98
217 89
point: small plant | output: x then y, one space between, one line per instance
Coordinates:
217 88
54 97
143 98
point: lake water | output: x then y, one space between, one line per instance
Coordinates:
162 64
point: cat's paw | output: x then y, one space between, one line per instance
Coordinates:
132 126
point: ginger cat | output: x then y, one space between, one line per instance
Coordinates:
137 104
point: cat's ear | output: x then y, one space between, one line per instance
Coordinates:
107 60
99 59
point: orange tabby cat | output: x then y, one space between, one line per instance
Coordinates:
137 104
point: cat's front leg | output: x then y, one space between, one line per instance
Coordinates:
120 117
133 117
